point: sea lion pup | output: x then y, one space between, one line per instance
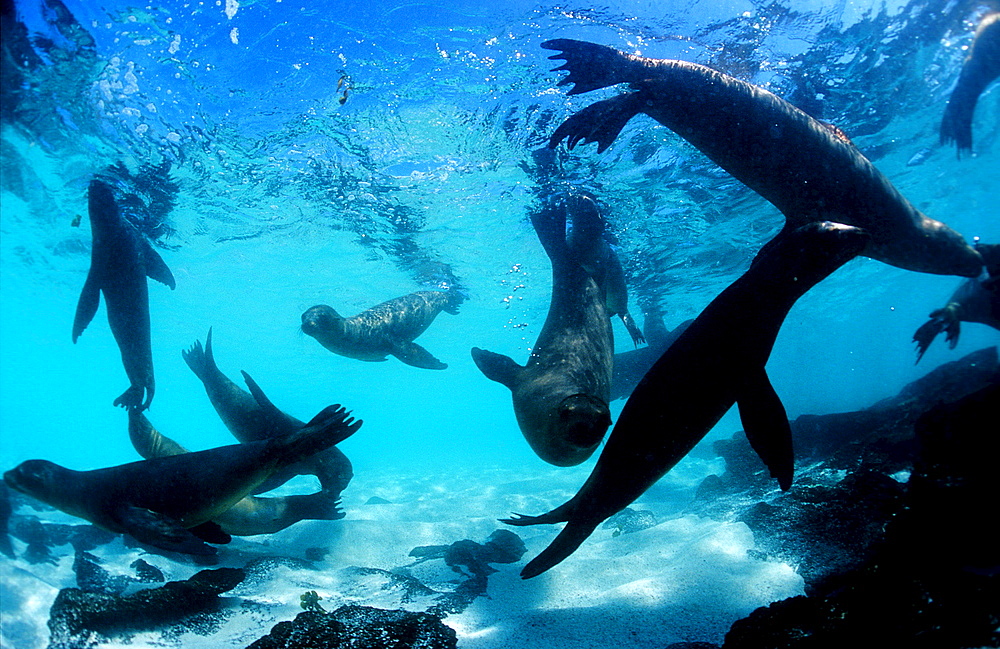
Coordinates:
120 261
251 417
807 169
253 514
561 396
980 68
718 361
169 502
975 300
386 329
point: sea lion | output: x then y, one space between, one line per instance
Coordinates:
120 261
975 300
631 366
169 502
253 514
979 70
386 329
718 361
809 170
561 396
251 417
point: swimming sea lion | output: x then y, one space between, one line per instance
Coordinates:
807 169
718 361
981 68
120 261
251 417
383 330
975 300
561 396
253 514
169 502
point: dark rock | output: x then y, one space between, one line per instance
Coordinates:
146 573
6 509
934 580
360 627
81 619
375 500
91 577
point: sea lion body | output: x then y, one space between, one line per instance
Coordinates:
980 69
975 300
809 170
561 395
632 365
718 361
251 417
121 259
386 329
251 515
168 501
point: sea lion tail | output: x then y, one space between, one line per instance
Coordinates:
201 361
591 66
331 426
600 122
565 544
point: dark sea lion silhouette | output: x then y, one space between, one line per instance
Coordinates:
170 502
975 300
631 366
386 329
809 170
718 361
251 417
561 395
253 514
979 70
121 259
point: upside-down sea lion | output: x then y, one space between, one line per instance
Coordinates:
980 69
807 169
386 329
253 514
251 417
975 300
561 396
169 502
718 361
120 261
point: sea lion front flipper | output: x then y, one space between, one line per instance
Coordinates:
210 532
497 367
90 298
600 122
161 531
156 268
270 410
766 425
413 354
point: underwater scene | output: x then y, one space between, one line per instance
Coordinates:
451 323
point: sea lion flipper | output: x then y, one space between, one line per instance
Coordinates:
147 441
413 354
161 531
86 308
270 409
633 329
156 268
600 122
766 425
497 367
591 66
565 544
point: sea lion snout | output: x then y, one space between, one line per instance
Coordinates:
319 318
584 420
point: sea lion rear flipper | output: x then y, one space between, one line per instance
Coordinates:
161 531
497 367
600 122
270 409
90 298
591 66
210 532
633 328
413 354
156 268
565 544
766 425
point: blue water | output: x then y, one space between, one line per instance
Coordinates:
289 198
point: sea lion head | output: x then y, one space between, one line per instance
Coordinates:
321 319
36 478
577 429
